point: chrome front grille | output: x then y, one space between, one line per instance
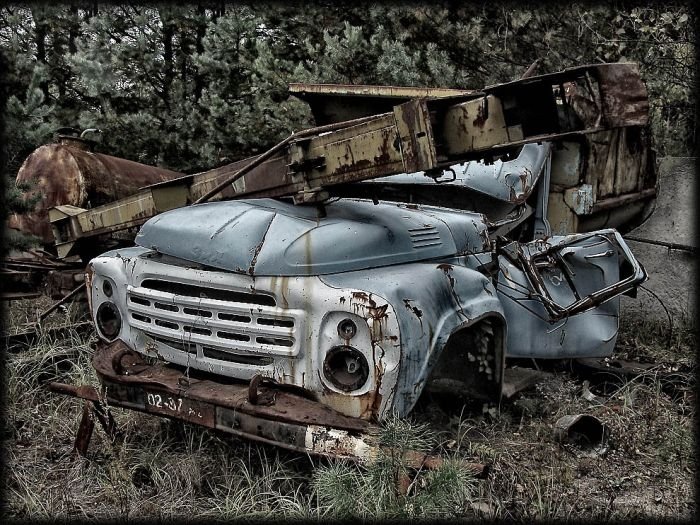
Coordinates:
212 321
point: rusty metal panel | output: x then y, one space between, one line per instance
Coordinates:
363 90
115 363
169 197
415 135
614 93
356 153
128 212
70 223
476 125
66 175
618 162
340 102
54 172
359 445
267 180
624 97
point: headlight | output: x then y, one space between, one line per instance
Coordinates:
346 329
346 368
108 320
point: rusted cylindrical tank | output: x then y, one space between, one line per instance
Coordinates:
69 173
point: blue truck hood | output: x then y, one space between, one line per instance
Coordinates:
270 237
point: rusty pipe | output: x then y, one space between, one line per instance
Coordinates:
82 391
65 298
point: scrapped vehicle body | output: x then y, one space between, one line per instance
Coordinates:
68 174
364 307
345 278
602 163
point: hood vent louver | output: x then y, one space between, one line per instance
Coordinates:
425 237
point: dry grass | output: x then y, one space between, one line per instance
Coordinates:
22 315
167 469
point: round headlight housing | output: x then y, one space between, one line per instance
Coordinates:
347 329
108 320
346 368
107 288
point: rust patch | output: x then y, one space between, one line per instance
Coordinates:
482 115
65 175
416 311
379 312
171 384
361 296
362 164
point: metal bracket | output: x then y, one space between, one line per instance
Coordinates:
542 228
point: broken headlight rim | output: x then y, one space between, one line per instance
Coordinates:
108 320
346 368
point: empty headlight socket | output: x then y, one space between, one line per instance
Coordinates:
346 368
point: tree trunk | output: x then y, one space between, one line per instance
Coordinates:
40 31
201 31
168 32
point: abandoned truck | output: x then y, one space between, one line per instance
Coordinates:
361 301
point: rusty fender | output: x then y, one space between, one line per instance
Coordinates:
434 302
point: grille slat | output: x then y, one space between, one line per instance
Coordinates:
213 322
251 327
196 302
193 290
254 348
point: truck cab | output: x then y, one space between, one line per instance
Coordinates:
360 304
363 292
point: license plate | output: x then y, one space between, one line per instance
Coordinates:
179 407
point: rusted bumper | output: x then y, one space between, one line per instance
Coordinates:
280 417
271 414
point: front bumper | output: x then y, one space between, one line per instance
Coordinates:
259 412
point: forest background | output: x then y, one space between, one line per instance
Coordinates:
191 86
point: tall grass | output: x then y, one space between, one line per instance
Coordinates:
166 469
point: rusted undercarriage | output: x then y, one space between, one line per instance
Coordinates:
262 412
26 274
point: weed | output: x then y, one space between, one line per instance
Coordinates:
384 489
165 469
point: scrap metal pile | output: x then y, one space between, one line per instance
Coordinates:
409 244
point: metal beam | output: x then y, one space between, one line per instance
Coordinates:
419 135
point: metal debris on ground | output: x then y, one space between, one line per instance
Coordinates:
583 431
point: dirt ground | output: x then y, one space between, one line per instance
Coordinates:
165 469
